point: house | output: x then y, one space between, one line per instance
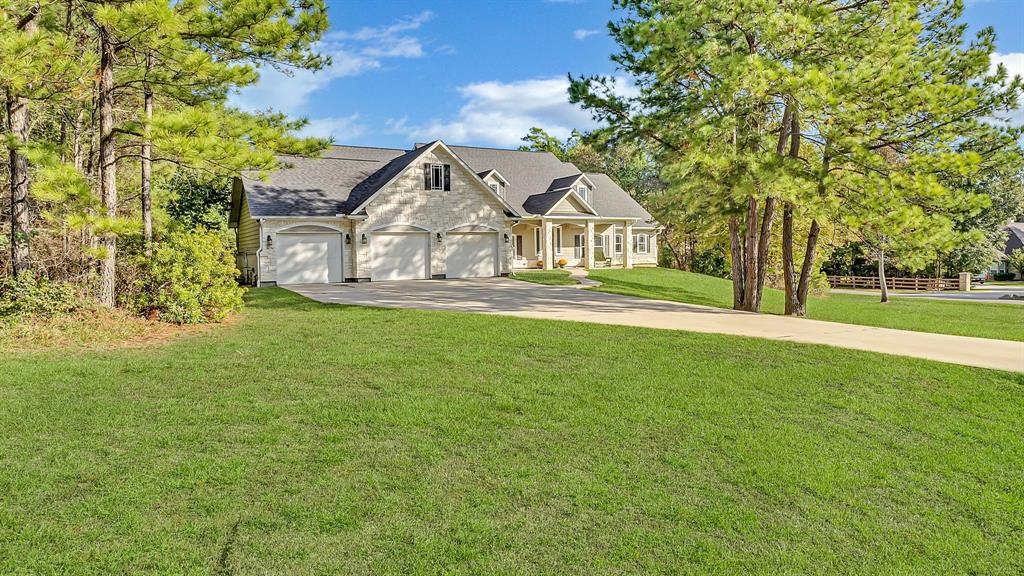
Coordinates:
435 211
1014 241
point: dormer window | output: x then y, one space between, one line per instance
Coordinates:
584 193
498 188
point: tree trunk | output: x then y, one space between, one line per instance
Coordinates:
881 276
788 268
764 243
805 271
18 123
792 300
107 167
76 142
17 117
147 147
751 266
737 263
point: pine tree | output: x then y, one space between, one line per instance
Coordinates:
724 86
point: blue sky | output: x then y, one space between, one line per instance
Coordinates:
479 72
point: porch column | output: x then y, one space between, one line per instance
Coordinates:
588 243
545 237
627 249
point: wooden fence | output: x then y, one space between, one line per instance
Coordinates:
894 283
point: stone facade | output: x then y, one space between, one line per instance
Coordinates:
406 202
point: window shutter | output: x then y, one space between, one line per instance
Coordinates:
447 177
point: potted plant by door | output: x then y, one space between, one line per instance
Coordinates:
562 263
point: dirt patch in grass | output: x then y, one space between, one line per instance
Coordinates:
94 330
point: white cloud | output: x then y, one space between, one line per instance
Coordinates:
1014 64
388 41
582 34
337 128
501 113
1013 61
352 53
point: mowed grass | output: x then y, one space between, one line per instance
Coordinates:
984 320
547 277
310 438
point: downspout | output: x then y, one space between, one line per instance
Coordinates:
259 251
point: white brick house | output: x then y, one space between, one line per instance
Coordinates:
436 211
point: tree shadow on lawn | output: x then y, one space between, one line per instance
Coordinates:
660 292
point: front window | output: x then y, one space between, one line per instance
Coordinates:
640 243
537 242
558 241
618 243
519 245
598 241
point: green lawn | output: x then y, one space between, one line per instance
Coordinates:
308 438
548 277
985 320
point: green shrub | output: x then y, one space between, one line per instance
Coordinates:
25 295
190 279
1002 276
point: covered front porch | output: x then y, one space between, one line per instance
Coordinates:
588 242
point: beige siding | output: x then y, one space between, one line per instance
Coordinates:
248 239
651 256
569 205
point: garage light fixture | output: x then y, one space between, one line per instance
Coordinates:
506 238
270 241
362 239
348 238
438 236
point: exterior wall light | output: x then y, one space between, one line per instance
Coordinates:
438 236
348 238
362 239
270 241
506 238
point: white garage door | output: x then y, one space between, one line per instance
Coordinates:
400 255
472 255
305 258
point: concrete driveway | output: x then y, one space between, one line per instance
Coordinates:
994 295
515 298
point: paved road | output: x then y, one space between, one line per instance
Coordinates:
515 298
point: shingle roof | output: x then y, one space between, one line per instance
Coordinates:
1015 238
314 186
542 203
564 182
345 176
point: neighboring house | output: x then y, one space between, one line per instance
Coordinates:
1014 241
436 211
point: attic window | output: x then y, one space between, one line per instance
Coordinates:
584 193
498 188
437 176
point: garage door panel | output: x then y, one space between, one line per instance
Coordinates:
400 256
309 258
472 255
